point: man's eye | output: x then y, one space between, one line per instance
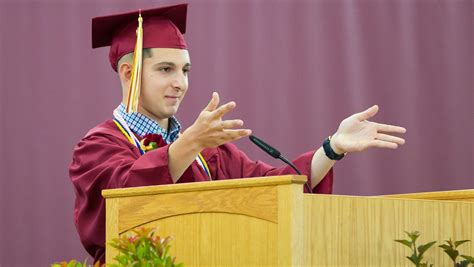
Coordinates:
165 69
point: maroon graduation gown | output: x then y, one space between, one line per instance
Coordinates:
105 159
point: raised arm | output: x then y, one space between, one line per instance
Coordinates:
208 131
355 134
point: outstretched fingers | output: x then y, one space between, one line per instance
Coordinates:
222 110
390 128
236 134
230 124
390 138
383 144
230 134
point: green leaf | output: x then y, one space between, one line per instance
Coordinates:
445 247
122 259
464 263
469 258
426 264
140 252
413 235
450 242
414 259
404 242
460 242
452 253
131 248
423 248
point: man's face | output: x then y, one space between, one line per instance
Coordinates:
164 82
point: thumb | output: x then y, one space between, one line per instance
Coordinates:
213 103
368 113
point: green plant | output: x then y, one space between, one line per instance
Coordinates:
417 256
450 248
73 263
144 249
141 249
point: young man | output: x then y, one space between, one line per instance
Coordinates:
142 148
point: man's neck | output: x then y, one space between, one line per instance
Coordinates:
164 123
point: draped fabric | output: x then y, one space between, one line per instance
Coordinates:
295 68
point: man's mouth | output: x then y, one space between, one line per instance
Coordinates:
172 99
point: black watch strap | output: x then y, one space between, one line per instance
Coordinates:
329 152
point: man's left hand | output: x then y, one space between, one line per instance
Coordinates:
356 133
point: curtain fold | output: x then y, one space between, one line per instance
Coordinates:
295 69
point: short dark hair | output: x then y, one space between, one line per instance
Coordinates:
147 52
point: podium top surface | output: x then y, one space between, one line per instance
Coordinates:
456 195
201 186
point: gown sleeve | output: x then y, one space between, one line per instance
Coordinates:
230 162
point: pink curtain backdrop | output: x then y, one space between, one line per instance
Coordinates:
295 69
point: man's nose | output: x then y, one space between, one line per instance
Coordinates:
180 81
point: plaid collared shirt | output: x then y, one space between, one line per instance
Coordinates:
142 125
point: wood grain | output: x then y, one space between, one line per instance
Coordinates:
247 222
270 222
220 239
203 186
359 231
111 227
456 195
258 202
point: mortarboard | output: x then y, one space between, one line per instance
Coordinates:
133 31
163 28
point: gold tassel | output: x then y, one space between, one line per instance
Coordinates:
136 78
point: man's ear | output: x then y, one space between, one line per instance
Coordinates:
125 72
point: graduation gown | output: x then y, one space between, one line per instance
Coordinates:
105 159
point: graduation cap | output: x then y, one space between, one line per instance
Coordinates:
134 31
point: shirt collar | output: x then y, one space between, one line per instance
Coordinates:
143 125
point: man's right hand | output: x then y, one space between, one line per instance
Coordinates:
209 130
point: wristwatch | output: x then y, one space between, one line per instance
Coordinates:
329 152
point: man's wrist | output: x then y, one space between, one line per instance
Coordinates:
190 143
333 142
331 150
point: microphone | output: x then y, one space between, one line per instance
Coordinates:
276 154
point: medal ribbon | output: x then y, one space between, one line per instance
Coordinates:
200 159
123 127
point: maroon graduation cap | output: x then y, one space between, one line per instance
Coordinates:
162 28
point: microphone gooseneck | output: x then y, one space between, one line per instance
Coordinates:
276 154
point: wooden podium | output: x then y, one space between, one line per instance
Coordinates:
270 222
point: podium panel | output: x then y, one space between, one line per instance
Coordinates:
360 231
268 221
241 222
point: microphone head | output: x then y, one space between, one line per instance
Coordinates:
265 147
